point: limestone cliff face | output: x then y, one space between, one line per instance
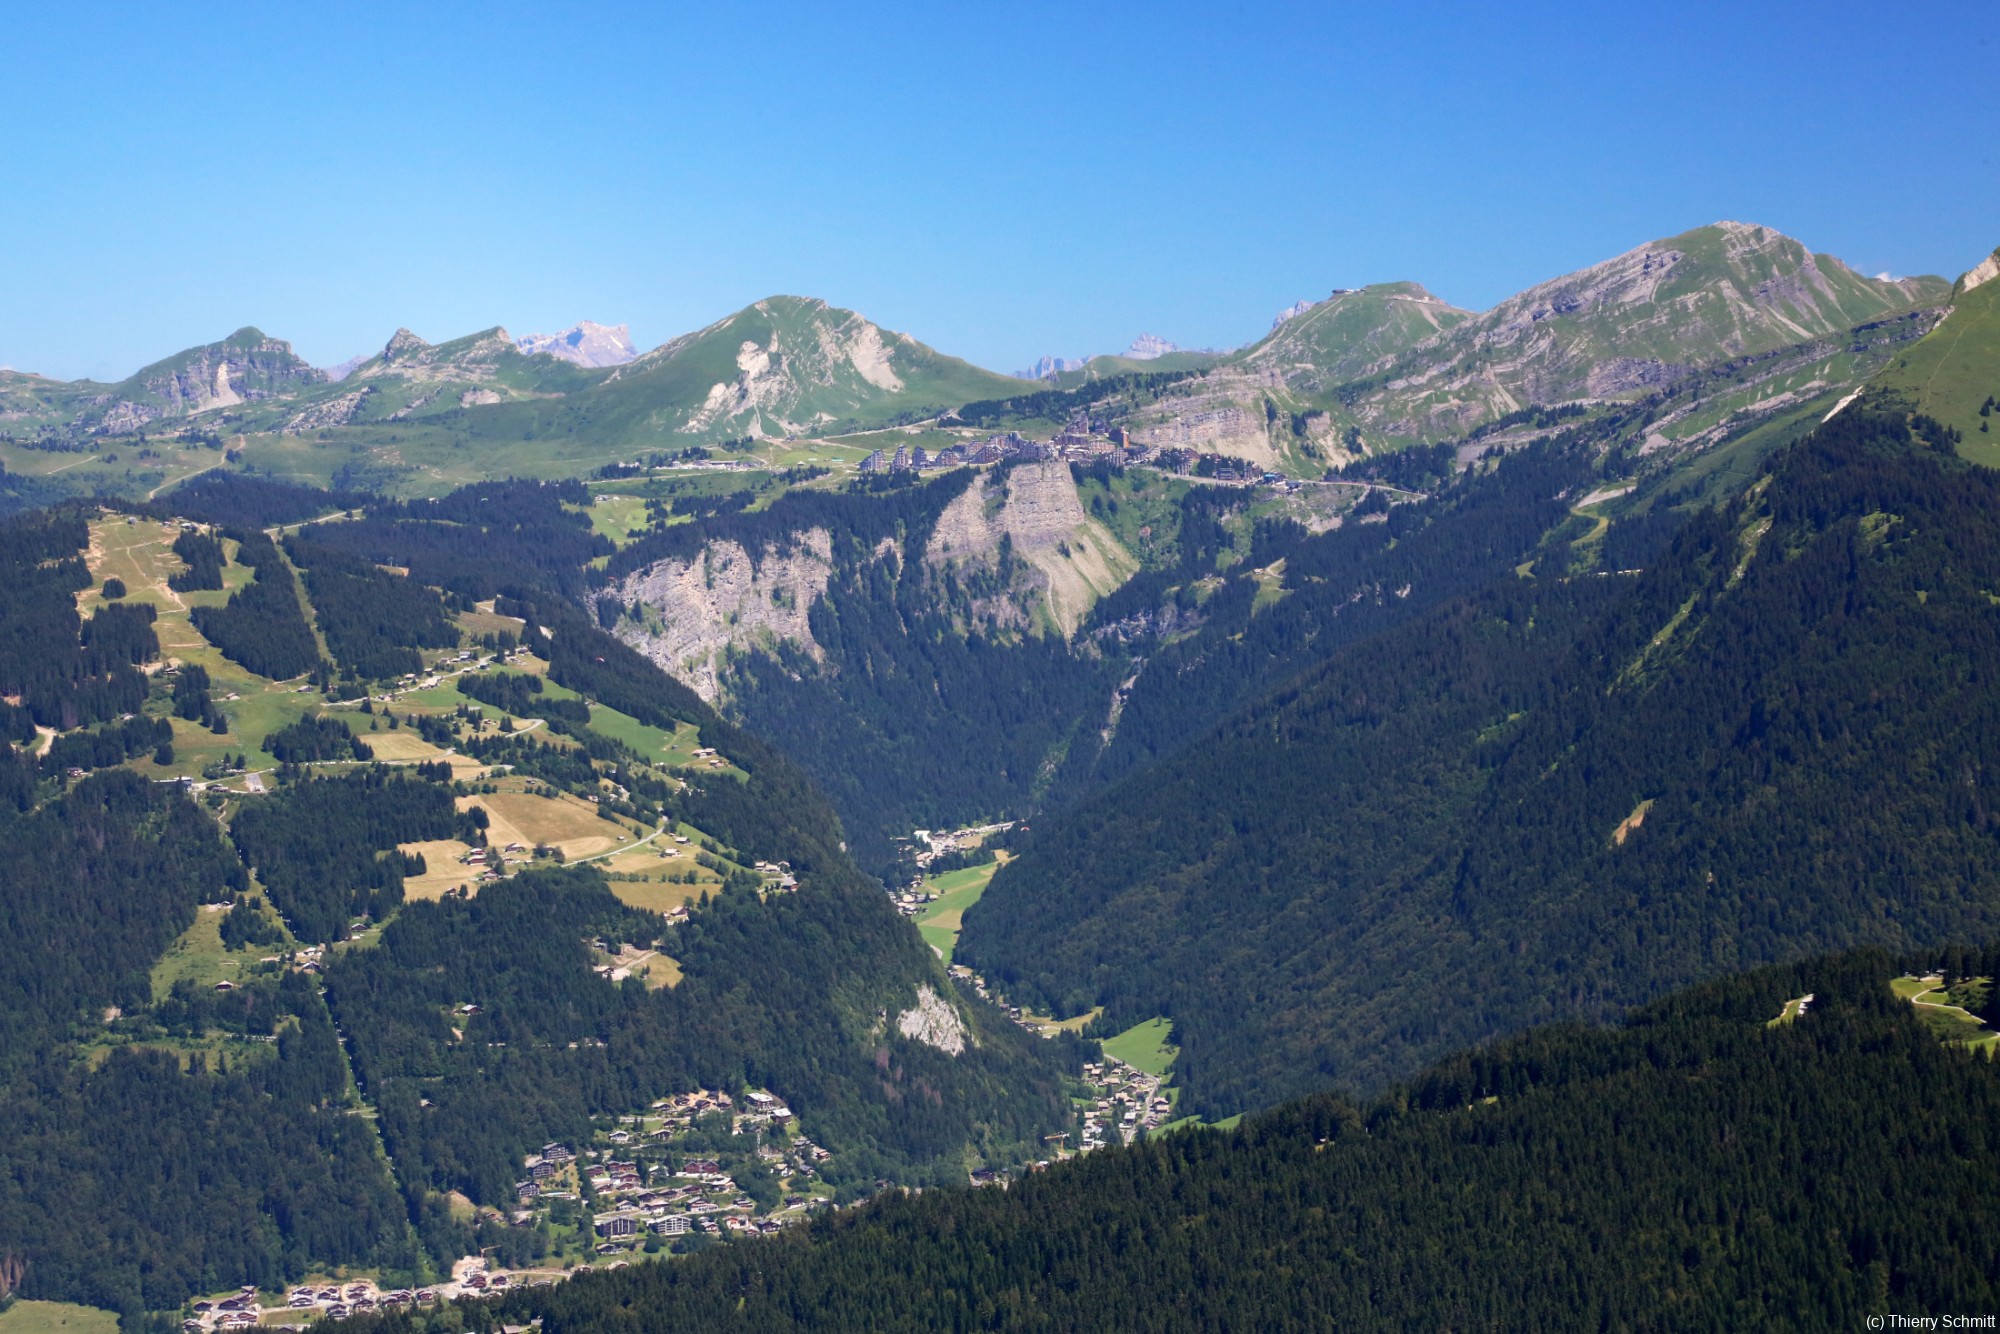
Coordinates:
696 612
1074 560
693 614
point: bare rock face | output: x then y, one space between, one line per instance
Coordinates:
697 611
1984 272
246 367
1074 559
333 412
585 343
933 1022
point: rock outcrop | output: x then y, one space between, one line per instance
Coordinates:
933 1022
1035 509
697 612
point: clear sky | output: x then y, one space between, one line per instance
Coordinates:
999 180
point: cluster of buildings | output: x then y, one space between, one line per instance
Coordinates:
1126 1101
933 844
640 1191
335 1301
1078 442
1129 1102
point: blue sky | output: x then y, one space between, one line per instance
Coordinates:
1000 181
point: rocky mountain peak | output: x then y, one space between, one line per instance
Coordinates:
1148 346
403 344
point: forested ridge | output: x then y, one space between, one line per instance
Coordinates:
1698 1167
251 1164
1557 796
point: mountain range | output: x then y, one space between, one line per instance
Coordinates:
1366 370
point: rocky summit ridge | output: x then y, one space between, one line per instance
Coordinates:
586 343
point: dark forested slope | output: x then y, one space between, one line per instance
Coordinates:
1558 796
1698 1167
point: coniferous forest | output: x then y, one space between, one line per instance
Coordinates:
1696 1167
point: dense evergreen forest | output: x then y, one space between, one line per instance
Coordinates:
127 1179
263 626
374 621
56 669
1557 795
553 1044
910 681
1697 1167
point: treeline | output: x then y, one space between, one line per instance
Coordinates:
488 538
521 694
1556 796
104 747
315 739
65 671
236 501
1132 387
263 626
856 522
1696 1168
323 847
374 621
204 558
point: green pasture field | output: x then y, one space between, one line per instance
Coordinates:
1145 1046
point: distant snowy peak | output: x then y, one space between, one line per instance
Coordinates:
1050 367
345 368
1291 313
1148 346
587 344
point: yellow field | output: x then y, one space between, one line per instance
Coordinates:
564 822
441 869
655 896
404 746
486 622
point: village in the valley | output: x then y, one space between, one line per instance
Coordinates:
639 1187
1124 1100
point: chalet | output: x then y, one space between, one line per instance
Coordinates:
527 1190
672 1225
